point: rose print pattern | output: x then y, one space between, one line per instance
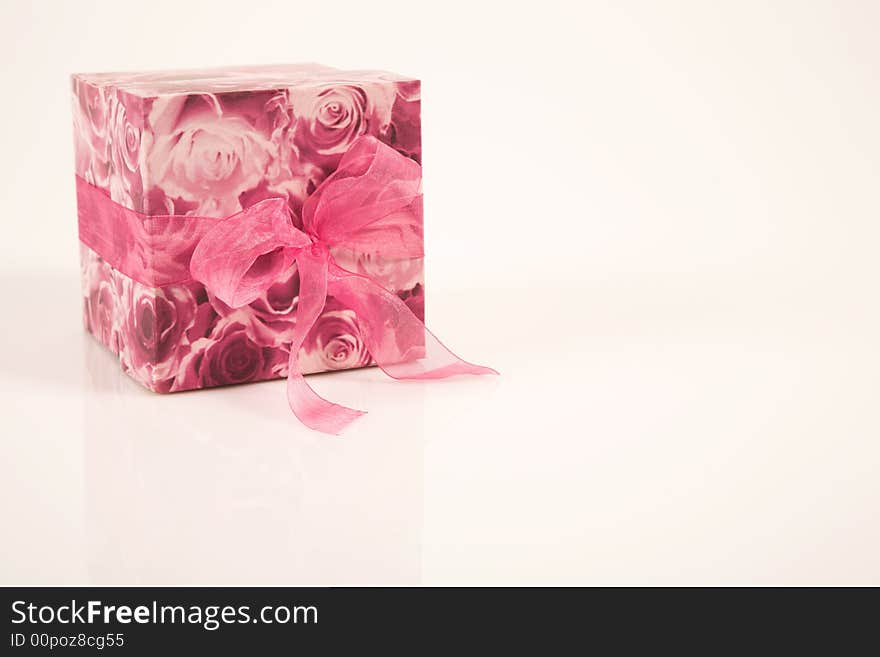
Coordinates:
230 354
102 300
90 125
206 156
211 144
155 324
335 342
333 116
124 136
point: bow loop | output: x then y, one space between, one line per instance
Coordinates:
240 257
372 203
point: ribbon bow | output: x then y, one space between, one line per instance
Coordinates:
370 204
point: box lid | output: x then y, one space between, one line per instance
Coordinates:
150 84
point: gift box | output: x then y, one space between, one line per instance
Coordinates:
245 224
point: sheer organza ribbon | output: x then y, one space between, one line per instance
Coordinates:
371 204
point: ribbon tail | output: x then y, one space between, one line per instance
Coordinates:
312 410
397 340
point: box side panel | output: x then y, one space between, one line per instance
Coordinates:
216 154
107 127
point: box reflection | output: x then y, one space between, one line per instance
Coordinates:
225 486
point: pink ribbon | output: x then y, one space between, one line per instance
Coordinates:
370 204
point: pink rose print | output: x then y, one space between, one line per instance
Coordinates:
101 303
331 117
204 154
126 185
404 132
90 109
334 343
126 139
393 275
229 355
156 324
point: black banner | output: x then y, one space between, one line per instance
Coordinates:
151 621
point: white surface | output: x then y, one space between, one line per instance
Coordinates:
685 192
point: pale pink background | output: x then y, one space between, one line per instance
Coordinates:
686 191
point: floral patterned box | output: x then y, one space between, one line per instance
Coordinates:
211 143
